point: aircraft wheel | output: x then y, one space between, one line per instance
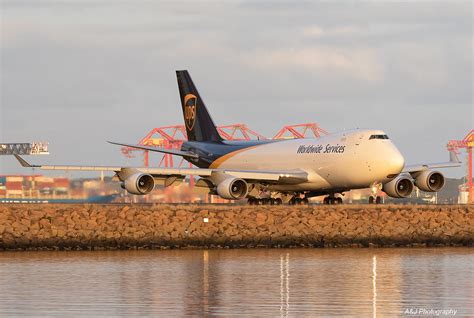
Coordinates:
378 200
265 201
298 201
326 200
278 201
338 200
371 200
251 201
305 201
272 201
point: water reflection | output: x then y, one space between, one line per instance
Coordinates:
205 281
285 283
374 286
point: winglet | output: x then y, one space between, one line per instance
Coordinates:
23 162
453 157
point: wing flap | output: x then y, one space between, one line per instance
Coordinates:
26 164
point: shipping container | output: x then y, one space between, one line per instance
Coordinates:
61 182
42 179
14 179
14 185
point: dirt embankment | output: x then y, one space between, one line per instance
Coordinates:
46 226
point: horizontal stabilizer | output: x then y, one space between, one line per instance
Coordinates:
156 149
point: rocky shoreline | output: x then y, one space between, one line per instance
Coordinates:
97 227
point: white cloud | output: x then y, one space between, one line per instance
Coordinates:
356 63
422 64
315 31
312 31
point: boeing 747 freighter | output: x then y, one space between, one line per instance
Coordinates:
277 171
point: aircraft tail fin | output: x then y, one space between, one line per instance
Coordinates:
198 121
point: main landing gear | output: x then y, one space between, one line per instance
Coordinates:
298 201
264 201
277 201
332 200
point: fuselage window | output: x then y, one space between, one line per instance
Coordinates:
378 137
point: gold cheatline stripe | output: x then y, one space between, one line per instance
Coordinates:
216 163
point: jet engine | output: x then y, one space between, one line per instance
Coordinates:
429 181
139 183
400 187
232 189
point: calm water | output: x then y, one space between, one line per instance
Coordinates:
261 282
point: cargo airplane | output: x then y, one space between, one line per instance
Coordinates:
277 171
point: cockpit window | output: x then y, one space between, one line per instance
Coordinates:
378 137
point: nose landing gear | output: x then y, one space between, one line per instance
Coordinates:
375 198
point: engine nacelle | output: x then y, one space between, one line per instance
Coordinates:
232 189
400 187
430 181
139 183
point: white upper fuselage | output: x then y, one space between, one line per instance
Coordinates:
345 160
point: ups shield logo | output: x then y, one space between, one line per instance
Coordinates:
190 110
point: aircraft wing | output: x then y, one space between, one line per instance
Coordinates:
282 177
453 162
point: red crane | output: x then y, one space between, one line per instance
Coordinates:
168 137
172 137
232 132
468 143
300 131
